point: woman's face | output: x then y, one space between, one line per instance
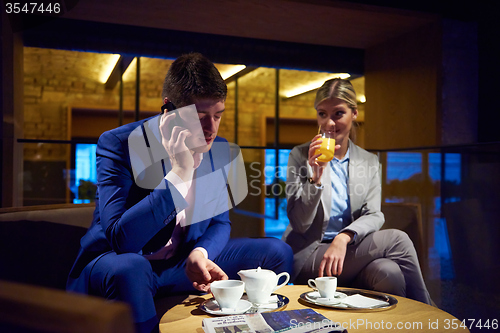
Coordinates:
335 115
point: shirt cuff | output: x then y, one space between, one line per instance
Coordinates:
179 184
202 250
353 240
354 236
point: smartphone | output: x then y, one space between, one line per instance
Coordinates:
168 106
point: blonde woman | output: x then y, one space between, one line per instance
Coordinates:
334 209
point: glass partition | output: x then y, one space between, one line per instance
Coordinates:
455 188
83 184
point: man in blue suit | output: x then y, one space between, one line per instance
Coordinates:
161 223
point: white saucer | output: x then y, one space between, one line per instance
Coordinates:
315 297
211 306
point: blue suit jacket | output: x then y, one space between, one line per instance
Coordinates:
128 216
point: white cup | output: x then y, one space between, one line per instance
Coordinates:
227 293
326 286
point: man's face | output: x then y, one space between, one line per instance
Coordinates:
209 114
202 122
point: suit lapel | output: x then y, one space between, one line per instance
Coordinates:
152 129
354 181
326 196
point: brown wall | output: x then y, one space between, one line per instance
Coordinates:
63 101
402 88
11 116
54 82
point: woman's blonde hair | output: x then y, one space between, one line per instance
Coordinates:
337 88
343 90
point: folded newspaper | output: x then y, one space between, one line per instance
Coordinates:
292 321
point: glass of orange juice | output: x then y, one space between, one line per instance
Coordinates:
327 148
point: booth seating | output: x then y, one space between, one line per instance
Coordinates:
38 245
27 308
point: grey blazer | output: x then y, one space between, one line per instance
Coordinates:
308 207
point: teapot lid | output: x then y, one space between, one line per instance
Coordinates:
254 272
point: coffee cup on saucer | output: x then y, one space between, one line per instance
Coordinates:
227 293
326 286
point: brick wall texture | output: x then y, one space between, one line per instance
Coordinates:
56 80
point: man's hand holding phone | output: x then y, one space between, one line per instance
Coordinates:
177 141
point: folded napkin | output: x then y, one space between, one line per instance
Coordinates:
362 302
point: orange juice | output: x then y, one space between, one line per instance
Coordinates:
327 150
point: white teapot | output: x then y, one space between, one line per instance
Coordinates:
260 283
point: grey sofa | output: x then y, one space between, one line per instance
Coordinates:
38 244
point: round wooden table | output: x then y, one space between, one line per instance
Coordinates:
407 316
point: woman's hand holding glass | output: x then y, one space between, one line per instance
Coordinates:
317 166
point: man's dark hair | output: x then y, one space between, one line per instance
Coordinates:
193 76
